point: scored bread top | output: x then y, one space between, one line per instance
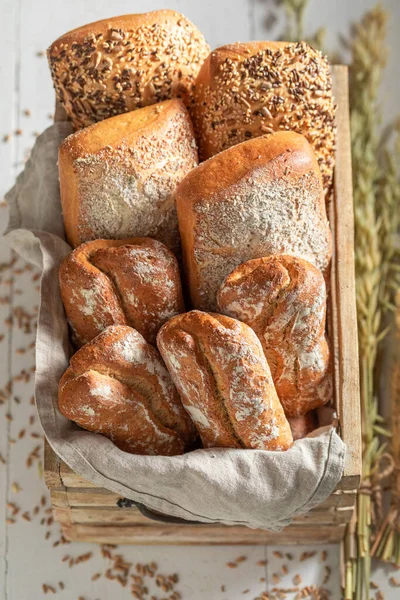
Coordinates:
120 368
224 381
124 63
283 299
133 281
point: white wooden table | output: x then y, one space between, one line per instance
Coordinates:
30 552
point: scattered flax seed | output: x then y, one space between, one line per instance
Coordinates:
297 580
27 112
15 487
21 434
26 516
262 580
241 559
261 563
285 570
18 132
2 460
40 53
48 588
324 555
373 585
277 554
61 585
48 534
36 510
245 591
379 595
65 558
307 555
96 576
328 572
223 588
10 521
394 582
231 565
275 578
6 138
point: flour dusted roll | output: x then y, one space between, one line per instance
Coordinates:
224 381
117 385
258 198
120 64
118 178
245 90
283 299
132 282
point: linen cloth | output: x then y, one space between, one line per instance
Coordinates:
254 488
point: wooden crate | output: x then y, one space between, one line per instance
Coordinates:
89 513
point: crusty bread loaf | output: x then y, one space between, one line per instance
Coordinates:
302 425
117 385
224 381
258 198
283 298
251 89
132 282
117 65
118 178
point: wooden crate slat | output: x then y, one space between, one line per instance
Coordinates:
344 297
106 515
202 535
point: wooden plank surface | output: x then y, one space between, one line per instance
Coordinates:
200 535
347 367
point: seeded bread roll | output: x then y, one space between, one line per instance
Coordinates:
224 381
118 178
258 198
251 89
283 299
124 63
132 282
117 385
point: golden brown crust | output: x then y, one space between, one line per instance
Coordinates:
258 198
245 90
133 282
118 385
223 378
283 299
302 425
120 64
118 177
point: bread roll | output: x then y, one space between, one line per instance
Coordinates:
118 178
302 425
283 299
132 282
251 89
117 385
224 381
124 63
258 198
